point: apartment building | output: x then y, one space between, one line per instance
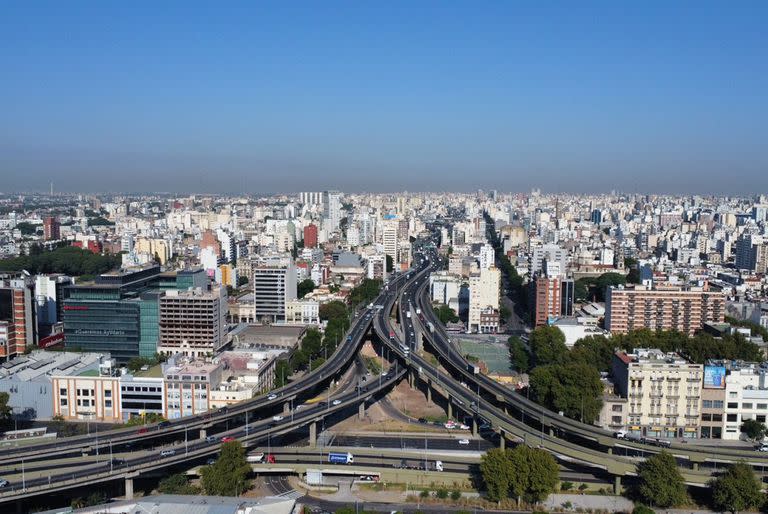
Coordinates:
304 311
18 323
663 390
670 308
188 387
483 293
445 288
193 322
746 395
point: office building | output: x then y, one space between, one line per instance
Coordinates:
193 322
119 311
51 229
311 198
188 386
273 286
445 288
549 253
377 266
390 241
483 294
663 391
487 256
304 311
671 308
751 253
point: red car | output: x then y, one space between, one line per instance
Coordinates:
142 430
227 439
270 459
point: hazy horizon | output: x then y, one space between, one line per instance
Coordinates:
653 98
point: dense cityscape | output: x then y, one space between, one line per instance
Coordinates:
404 257
639 320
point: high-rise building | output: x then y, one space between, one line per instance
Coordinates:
193 322
310 236
273 286
672 308
18 325
311 198
390 241
51 229
377 266
551 298
49 297
751 253
483 294
549 253
487 256
332 209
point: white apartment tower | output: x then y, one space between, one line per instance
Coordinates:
483 293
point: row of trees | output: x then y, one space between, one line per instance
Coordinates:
365 292
661 485
524 473
316 346
69 260
593 288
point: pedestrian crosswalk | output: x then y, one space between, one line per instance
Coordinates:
293 494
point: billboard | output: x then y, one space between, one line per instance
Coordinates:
714 377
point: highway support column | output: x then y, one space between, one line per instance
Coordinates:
474 427
286 407
313 434
502 441
203 433
429 392
617 484
450 408
361 410
129 488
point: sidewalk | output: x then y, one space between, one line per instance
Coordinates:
590 501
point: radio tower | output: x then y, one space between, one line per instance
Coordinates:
51 188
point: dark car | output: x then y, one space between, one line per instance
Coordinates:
423 420
118 462
163 424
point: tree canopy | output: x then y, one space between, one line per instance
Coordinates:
5 410
445 314
365 292
753 429
737 489
525 473
69 260
177 484
548 346
334 309
305 286
572 388
593 288
518 355
661 483
228 475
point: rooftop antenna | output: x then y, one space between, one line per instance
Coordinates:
51 188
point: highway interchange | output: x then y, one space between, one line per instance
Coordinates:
80 461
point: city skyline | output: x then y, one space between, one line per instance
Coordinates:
648 99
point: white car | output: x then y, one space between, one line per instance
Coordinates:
277 418
4 482
463 441
272 396
336 402
464 427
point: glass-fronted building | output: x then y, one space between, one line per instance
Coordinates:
118 312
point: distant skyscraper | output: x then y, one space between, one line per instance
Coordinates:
51 229
332 209
311 198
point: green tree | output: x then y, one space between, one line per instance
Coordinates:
753 429
548 346
442 493
574 389
334 309
282 372
535 473
365 292
177 484
518 355
455 495
445 314
5 410
642 509
661 483
241 281
496 469
737 489
26 228
305 286
595 351
390 264
228 475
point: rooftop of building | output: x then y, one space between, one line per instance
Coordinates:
267 335
651 356
155 371
41 363
182 504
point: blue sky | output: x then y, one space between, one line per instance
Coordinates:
374 96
